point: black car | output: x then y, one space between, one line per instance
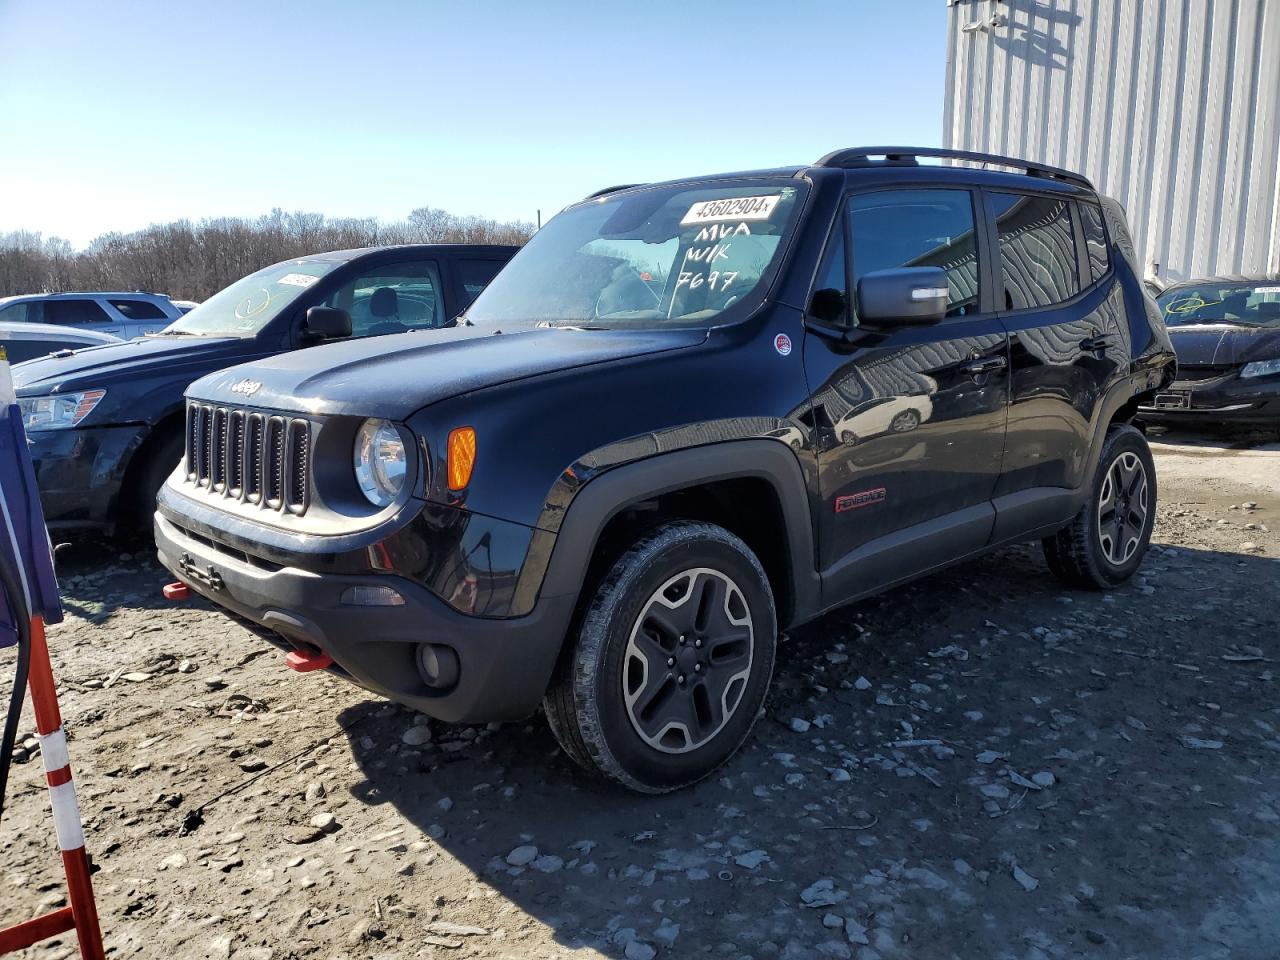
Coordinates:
1226 332
610 489
106 423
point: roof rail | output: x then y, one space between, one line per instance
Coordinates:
608 190
908 157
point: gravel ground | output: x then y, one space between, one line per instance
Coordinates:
980 765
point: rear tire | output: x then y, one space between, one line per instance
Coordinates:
672 660
1106 542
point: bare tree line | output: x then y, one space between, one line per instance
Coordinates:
195 260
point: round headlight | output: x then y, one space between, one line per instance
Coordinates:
379 461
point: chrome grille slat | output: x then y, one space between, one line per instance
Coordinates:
257 458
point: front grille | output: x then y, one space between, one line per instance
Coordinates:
1200 372
253 457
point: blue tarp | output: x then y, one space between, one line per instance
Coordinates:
23 537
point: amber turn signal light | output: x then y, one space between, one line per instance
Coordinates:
462 456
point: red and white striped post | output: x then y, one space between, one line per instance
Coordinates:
82 913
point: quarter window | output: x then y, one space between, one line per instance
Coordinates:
78 313
1037 250
918 228
392 299
1095 239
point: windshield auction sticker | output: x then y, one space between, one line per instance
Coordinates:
297 280
733 208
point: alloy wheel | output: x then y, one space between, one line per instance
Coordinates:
688 660
1122 508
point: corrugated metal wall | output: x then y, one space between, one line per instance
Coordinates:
1170 106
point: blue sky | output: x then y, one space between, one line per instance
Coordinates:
124 113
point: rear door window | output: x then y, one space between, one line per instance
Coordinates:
138 309
1037 250
75 313
918 228
474 276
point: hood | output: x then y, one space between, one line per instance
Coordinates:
129 361
395 376
1222 345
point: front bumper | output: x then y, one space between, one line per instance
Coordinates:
504 664
1228 400
80 472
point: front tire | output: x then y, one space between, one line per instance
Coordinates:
672 660
1106 542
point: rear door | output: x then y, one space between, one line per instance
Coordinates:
138 316
910 420
1064 312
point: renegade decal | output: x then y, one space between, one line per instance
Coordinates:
734 208
865 498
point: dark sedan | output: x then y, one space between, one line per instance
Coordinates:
1226 332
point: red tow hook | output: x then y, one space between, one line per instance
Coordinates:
304 661
176 591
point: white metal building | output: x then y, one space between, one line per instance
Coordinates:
1170 106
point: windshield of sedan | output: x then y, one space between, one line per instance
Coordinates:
249 304
1248 304
667 256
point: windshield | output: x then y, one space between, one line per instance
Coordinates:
1251 304
665 256
248 305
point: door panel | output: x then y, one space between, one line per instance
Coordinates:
909 421
1063 355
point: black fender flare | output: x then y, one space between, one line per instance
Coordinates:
607 494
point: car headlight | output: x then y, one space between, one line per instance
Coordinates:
1260 368
58 411
379 461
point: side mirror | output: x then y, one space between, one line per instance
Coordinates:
326 323
907 296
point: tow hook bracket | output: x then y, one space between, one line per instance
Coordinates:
176 591
208 575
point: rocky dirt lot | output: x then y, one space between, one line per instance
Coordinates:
980 765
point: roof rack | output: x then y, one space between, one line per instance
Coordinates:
608 190
908 157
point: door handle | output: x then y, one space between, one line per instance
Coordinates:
1098 344
984 366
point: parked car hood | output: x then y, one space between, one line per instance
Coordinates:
395 376
1221 345
129 360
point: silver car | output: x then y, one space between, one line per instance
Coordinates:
26 341
124 315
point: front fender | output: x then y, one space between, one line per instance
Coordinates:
583 511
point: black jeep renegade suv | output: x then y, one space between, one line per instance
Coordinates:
687 415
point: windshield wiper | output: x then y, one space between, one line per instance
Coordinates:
1215 321
174 333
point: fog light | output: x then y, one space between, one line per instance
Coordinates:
438 665
371 597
